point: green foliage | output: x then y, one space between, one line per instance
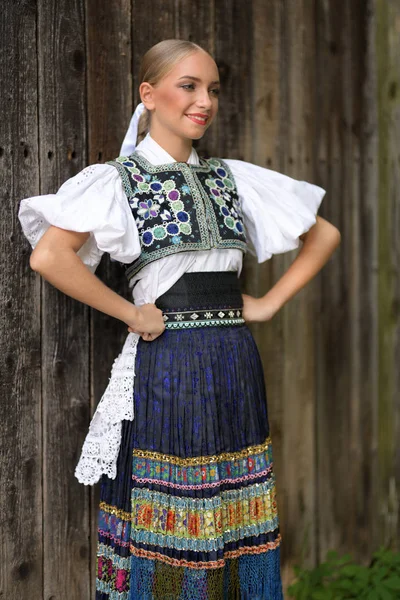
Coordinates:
339 578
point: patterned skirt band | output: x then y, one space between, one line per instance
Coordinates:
201 299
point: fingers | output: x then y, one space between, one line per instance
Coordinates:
148 337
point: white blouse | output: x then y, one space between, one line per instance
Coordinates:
276 210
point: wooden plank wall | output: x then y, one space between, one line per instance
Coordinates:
310 88
388 117
21 501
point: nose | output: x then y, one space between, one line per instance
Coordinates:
203 100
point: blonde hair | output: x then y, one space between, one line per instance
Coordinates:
156 63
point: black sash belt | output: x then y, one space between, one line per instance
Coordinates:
201 299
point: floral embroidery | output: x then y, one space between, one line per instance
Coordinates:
148 209
145 514
171 520
181 207
220 186
169 527
196 523
121 580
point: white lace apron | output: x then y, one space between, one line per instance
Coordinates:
101 446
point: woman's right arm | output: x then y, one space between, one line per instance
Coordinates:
55 258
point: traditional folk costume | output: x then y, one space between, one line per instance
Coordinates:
180 440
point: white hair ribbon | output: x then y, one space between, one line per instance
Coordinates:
129 143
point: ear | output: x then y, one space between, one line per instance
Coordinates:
146 95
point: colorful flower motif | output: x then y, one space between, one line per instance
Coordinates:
185 228
109 567
163 519
229 222
143 186
138 178
159 232
239 513
171 520
214 162
218 521
148 209
253 508
99 567
169 185
147 238
172 228
232 514
177 205
145 515
173 195
183 216
156 186
194 524
121 580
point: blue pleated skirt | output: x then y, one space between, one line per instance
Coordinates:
192 513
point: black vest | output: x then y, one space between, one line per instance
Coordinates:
180 207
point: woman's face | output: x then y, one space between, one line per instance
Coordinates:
185 101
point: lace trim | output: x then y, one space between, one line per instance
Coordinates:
33 228
101 446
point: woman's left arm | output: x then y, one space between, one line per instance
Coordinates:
319 243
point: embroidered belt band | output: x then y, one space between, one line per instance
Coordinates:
201 299
202 318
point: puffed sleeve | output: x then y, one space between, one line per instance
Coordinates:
92 201
276 208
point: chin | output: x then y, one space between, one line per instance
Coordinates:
197 135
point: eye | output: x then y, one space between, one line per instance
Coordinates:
190 86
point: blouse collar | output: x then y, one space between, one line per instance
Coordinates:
156 154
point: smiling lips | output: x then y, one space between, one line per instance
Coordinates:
198 118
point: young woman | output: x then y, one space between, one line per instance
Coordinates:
180 438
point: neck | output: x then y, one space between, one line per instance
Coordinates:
179 148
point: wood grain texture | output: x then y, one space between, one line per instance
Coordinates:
297 133
151 24
388 46
347 336
21 554
109 107
65 327
266 152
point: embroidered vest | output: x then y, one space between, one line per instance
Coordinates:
180 207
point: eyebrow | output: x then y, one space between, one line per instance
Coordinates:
195 78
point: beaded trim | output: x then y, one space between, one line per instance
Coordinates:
201 318
187 324
200 460
204 564
158 525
